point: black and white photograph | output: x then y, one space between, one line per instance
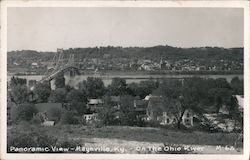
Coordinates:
132 79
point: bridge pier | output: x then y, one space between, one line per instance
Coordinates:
52 84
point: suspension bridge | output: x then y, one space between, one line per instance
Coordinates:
58 65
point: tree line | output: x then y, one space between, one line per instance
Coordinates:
199 94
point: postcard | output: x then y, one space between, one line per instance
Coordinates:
124 80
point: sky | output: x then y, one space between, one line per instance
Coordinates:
46 29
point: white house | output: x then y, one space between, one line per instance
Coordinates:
95 104
169 119
240 100
90 117
156 110
188 118
34 64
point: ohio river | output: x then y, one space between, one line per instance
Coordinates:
130 78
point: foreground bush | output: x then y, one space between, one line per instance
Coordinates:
31 139
38 138
26 111
70 117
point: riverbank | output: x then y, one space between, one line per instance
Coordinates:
131 73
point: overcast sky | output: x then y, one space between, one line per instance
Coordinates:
45 29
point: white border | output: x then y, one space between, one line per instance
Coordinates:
3 67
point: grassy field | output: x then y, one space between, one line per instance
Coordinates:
130 138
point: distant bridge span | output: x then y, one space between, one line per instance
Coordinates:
54 73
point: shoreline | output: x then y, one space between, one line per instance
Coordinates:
143 73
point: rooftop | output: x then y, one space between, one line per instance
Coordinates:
95 101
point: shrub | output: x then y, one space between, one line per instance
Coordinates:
152 123
44 140
70 117
56 113
70 143
13 112
20 140
31 139
37 119
140 122
26 111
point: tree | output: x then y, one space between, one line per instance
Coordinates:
69 117
171 91
143 88
56 113
76 95
26 111
221 96
219 92
190 99
42 92
127 112
58 95
222 83
118 87
169 88
179 96
77 100
234 112
94 87
237 86
107 115
237 116
132 89
146 88
60 80
218 104
15 81
19 94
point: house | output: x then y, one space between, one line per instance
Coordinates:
166 119
88 117
115 102
48 123
34 64
140 107
222 121
240 99
95 104
150 96
157 111
188 118
224 109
